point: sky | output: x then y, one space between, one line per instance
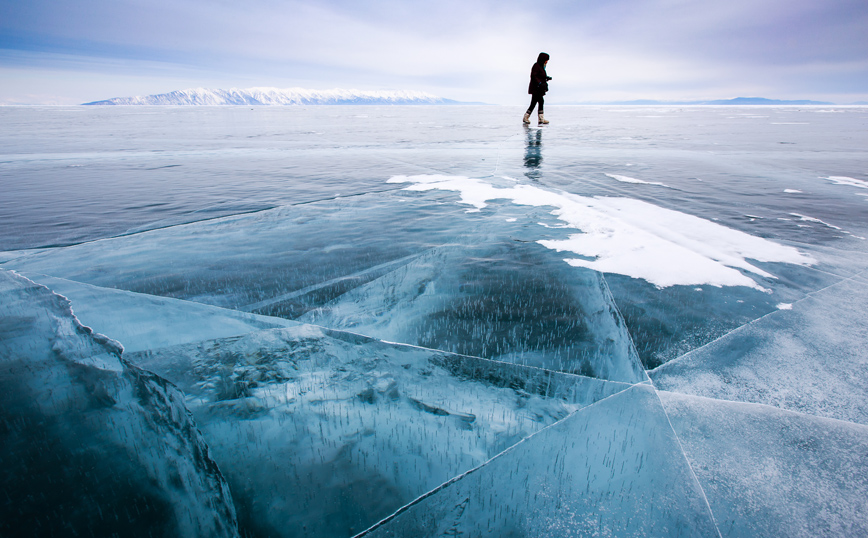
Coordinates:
70 52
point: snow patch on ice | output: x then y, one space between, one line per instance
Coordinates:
625 179
844 180
632 237
812 219
784 306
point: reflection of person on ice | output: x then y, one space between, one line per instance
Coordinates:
538 87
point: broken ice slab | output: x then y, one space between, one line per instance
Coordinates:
89 442
614 468
324 432
488 289
807 357
242 260
667 323
141 322
768 472
503 300
714 278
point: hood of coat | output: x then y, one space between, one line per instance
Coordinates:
542 58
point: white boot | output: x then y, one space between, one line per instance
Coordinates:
542 120
526 117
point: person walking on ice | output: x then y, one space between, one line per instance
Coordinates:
538 87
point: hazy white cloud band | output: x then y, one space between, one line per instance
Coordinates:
480 51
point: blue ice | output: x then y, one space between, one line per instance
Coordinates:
409 321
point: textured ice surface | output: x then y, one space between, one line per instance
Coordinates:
509 302
207 239
612 469
810 358
323 433
129 317
314 251
90 442
768 472
471 284
346 427
667 323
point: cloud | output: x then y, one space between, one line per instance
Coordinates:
476 50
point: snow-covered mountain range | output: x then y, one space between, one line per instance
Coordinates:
277 96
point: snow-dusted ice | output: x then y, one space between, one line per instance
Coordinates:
427 321
631 237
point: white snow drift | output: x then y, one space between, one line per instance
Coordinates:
631 237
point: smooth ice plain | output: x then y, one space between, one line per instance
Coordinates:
434 321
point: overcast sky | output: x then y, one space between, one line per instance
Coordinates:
72 51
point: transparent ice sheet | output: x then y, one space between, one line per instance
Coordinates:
201 238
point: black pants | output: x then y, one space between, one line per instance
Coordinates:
534 99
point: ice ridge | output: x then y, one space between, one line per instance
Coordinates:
91 441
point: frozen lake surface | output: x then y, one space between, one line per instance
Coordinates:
428 321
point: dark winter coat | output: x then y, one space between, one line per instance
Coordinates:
538 79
